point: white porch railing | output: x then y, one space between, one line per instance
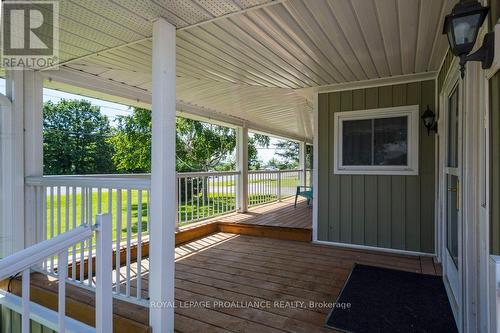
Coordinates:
64 203
201 195
271 185
59 247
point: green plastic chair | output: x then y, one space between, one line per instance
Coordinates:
306 193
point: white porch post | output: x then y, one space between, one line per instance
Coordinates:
242 167
12 159
33 149
302 162
162 234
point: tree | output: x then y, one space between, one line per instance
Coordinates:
132 142
254 142
288 151
202 146
75 135
199 146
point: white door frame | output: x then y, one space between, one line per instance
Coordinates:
456 301
472 310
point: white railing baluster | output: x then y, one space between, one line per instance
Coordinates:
104 300
128 253
66 211
90 258
62 272
204 201
118 239
185 198
58 210
197 198
179 201
279 186
51 223
25 292
139 244
40 209
73 252
99 200
147 210
82 244
44 213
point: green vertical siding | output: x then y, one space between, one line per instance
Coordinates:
495 150
384 211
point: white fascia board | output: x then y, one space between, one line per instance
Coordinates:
379 82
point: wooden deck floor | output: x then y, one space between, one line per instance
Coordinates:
238 283
280 220
227 282
279 214
276 214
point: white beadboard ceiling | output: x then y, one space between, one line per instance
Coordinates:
252 58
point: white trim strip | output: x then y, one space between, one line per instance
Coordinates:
315 168
374 248
380 82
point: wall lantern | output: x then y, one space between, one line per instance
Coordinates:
462 27
429 119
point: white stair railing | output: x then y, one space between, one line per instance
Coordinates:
30 258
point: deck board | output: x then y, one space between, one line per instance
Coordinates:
227 267
276 214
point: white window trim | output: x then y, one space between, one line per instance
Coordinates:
412 111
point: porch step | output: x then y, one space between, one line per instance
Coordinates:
284 233
80 304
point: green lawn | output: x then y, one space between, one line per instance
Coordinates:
285 182
214 205
134 212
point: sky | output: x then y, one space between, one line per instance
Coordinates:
112 110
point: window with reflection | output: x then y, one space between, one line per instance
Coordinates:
377 141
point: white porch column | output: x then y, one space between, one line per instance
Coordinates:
33 149
162 234
242 167
12 164
302 162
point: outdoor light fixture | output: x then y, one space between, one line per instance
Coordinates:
429 119
462 27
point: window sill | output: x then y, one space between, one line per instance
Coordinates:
391 172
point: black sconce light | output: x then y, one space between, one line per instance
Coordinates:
462 27
429 119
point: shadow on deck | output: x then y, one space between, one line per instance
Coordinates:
238 283
227 282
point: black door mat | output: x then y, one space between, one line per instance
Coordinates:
388 300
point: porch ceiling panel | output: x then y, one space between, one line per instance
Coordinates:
296 43
231 46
